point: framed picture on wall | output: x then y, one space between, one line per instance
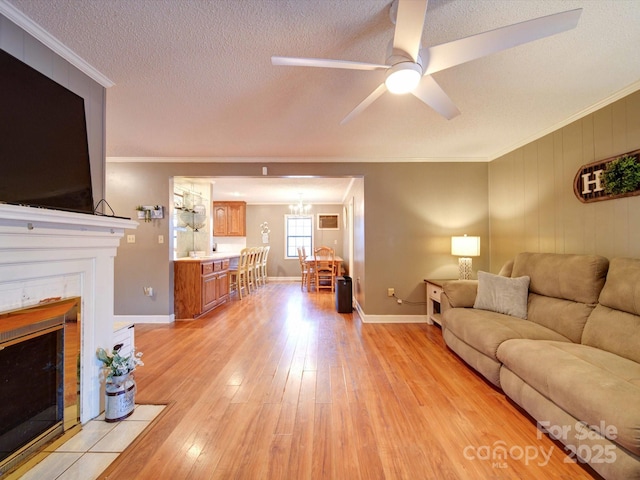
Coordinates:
328 221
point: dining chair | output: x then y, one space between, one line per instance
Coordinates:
304 269
324 268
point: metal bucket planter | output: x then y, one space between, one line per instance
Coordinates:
120 398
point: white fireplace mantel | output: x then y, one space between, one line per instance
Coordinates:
48 253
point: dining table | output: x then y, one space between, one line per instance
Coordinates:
337 262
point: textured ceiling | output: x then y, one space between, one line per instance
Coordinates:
193 78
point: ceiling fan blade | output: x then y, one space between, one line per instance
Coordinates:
373 96
409 26
326 63
454 53
432 94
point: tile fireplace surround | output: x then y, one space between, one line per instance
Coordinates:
47 254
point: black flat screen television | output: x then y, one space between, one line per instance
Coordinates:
44 153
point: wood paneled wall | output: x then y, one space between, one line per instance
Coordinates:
532 206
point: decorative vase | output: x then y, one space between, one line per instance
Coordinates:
118 380
120 398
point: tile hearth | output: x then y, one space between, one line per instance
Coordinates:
90 451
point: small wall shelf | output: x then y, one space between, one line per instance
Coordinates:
150 212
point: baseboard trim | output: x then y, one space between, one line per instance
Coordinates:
166 319
145 318
390 318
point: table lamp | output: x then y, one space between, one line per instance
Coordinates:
465 247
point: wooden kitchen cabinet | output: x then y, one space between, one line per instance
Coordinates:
209 292
200 285
229 219
220 219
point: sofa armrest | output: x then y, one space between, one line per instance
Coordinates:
459 293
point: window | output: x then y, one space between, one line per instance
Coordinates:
298 233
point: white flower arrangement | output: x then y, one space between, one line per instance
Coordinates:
115 364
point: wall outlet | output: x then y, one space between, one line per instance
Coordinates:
131 239
391 292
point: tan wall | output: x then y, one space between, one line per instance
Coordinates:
531 200
405 214
411 212
274 215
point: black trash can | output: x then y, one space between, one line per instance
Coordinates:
344 294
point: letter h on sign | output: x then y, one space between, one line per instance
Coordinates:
588 182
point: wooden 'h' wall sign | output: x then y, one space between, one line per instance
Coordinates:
614 177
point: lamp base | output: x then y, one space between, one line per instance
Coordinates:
464 268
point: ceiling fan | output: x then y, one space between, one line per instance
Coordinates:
410 67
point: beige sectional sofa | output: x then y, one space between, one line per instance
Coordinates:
573 361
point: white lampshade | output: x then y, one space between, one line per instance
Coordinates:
465 246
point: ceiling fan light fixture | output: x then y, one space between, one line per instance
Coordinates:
403 77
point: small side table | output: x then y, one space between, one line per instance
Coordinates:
434 291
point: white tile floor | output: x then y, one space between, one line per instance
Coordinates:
85 455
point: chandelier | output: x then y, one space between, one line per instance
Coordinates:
300 208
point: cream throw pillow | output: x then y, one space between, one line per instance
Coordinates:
502 294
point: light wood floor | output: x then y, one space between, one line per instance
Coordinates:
280 386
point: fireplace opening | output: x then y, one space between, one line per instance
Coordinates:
39 378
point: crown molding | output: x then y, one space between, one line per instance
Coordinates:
39 33
628 90
269 160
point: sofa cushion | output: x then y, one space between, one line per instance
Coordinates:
622 288
506 269
461 293
485 330
614 331
563 289
564 316
488 367
578 278
502 294
579 440
595 386
614 325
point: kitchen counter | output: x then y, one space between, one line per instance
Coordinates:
212 256
201 283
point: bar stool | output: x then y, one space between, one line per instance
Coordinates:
240 274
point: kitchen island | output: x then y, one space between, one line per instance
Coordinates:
201 283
